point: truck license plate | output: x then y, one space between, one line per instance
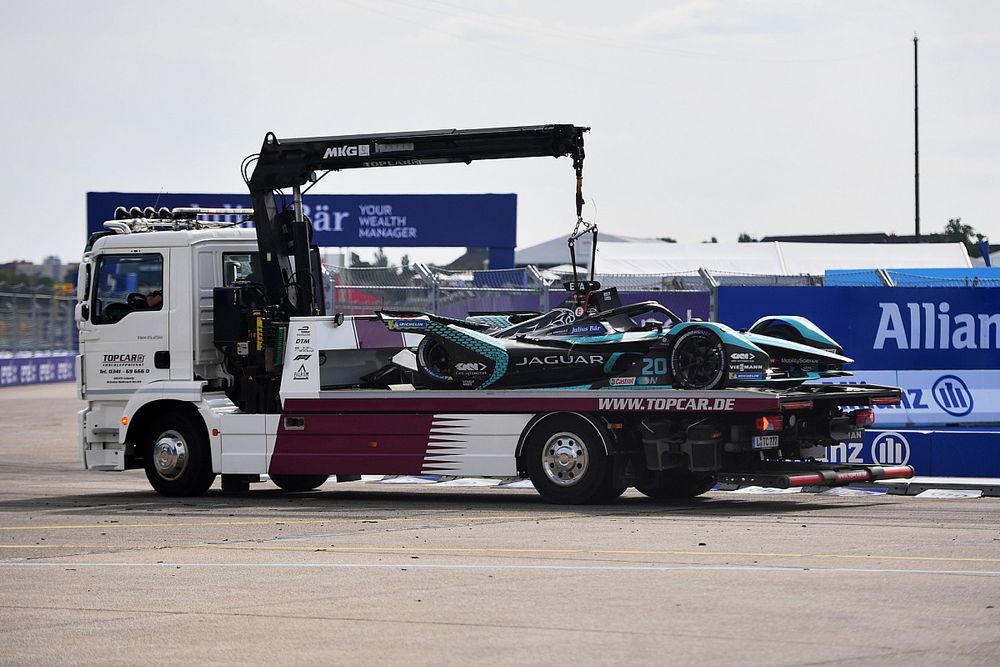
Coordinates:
764 442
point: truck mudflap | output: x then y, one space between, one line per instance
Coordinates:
786 475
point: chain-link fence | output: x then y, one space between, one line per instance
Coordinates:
36 322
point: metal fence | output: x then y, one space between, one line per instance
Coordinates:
36 322
417 287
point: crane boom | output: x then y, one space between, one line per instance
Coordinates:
285 235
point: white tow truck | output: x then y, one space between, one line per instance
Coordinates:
205 351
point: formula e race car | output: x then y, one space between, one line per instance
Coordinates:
593 341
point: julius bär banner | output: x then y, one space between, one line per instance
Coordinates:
476 220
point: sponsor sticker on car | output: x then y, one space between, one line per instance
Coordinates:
407 324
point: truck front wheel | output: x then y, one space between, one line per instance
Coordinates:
566 460
177 455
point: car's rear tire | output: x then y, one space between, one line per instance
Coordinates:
178 460
566 459
433 362
297 483
698 360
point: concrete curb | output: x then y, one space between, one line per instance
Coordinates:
990 486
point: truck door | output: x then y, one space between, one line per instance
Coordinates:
124 337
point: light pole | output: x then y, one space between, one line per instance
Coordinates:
916 146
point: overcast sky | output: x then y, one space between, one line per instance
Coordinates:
709 118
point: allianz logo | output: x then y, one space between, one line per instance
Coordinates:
950 393
888 448
931 326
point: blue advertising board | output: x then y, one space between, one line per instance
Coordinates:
956 396
966 452
914 277
901 328
941 345
376 221
16 371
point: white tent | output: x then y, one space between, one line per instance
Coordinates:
556 251
777 258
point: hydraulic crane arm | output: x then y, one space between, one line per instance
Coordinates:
291 163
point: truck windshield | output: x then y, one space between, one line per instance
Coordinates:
127 283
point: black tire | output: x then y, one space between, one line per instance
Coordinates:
296 483
566 460
677 486
610 494
177 457
433 362
698 360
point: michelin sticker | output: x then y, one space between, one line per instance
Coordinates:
407 324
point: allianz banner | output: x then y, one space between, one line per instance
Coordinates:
935 397
948 452
886 328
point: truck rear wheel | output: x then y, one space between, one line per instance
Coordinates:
677 486
294 483
177 456
566 460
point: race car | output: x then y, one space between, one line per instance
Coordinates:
593 341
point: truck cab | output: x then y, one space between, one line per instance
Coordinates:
145 317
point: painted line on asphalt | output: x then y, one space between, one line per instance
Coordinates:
457 566
592 552
493 551
283 522
510 517
198 524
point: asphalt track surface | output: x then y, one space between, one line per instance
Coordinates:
97 569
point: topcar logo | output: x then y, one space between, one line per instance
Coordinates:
891 449
952 395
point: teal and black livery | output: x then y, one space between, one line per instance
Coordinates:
593 341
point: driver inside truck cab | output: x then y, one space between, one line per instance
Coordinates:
154 300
